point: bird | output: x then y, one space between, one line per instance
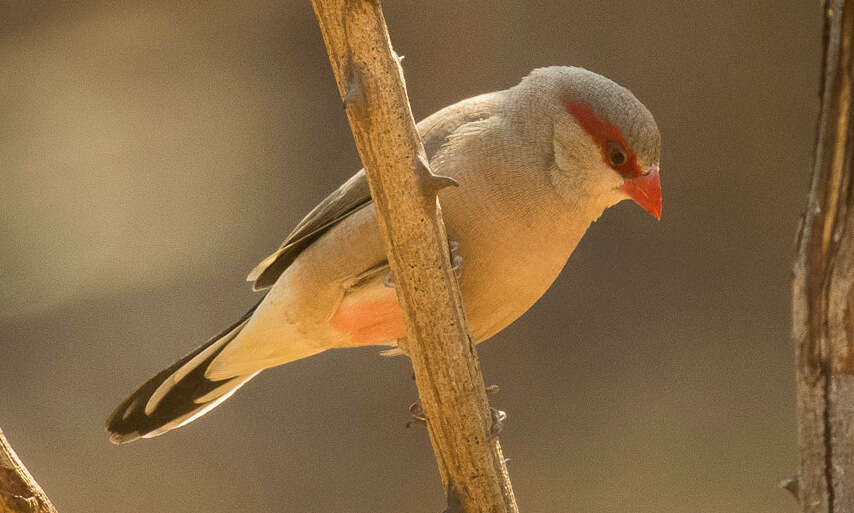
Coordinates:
536 164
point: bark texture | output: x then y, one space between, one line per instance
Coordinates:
447 371
823 295
19 492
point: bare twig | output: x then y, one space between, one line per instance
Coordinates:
823 300
447 372
19 492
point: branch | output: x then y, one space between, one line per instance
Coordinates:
823 288
19 492
447 371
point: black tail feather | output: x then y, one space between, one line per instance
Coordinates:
190 393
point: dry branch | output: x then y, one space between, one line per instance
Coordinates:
823 292
19 492
447 372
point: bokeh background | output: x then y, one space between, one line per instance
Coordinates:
152 152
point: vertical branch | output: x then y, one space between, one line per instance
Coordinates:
447 371
823 288
19 492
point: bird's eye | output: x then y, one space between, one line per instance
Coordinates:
616 153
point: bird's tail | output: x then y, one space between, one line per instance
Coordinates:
178 395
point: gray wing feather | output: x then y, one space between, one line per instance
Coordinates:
354 194
350 197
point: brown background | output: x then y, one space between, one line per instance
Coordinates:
152 154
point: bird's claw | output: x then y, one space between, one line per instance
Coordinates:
456 259
416 415
498 418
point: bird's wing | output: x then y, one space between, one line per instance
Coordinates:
350 197
354 194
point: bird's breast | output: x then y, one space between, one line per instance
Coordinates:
511 256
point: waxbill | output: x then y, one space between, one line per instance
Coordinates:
536 165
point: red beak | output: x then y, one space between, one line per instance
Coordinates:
645 190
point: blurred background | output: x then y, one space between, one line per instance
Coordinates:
152 153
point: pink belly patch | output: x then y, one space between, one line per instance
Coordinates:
370 317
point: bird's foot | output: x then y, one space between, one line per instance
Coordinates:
456 258
416 415
498 418
456 264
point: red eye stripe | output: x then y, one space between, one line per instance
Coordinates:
602 132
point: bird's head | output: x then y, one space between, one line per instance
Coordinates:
605 143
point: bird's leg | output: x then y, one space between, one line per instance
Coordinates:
456 264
